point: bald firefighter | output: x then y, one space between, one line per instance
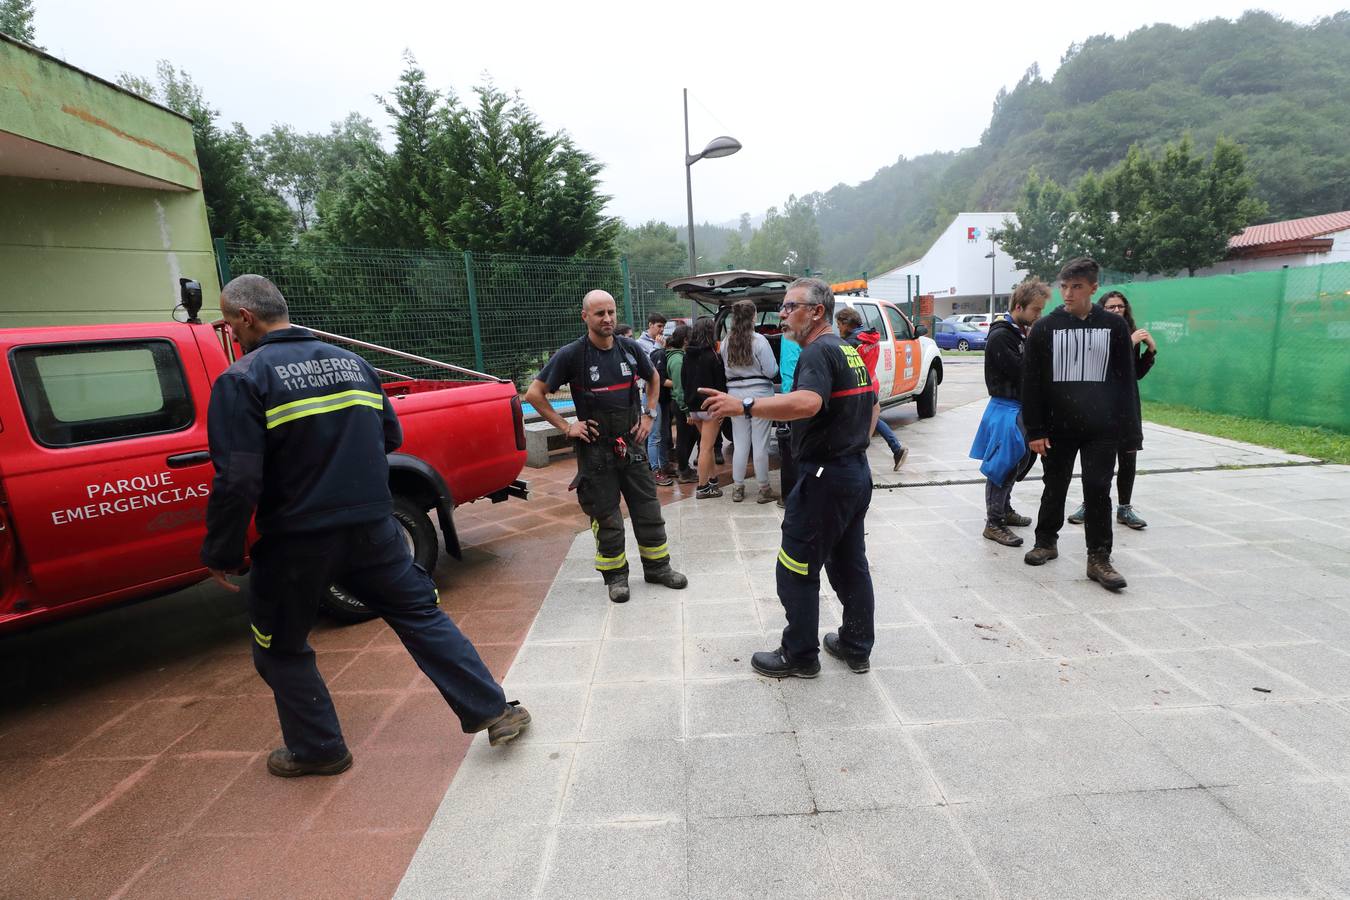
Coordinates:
611 429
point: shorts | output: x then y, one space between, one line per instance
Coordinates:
702 416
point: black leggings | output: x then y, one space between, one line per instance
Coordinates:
686 436
1125 468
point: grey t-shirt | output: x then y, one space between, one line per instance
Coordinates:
762 368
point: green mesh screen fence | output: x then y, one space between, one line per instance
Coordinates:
1269 345
496 313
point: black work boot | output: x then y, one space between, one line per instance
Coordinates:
618 587
859 664
1000 534
283 764
775 664
1100 570
1039 556
665 575
1015 519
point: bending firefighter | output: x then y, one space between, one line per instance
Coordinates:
603 372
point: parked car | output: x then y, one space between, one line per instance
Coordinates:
960 336
105 474
672 323
909 365
979 320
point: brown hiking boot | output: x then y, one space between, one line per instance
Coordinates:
1039 556
999 534
1015 519
1100 570
508 726
283 764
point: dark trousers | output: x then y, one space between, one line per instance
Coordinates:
372 561
668 429
602 478
686 436
787 466
823 528
998 497
1126 464
1099 459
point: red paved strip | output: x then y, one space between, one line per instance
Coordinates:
133 741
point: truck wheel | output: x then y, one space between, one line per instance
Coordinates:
963 345
927 401
420 535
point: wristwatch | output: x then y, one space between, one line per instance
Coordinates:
649 414
746 405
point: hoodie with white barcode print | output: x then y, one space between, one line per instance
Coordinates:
1078 378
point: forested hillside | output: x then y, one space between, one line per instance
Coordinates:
1280 90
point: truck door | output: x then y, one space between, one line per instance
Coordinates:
908 355
872 319
108 476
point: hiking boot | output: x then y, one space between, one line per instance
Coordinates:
1126 515
1013 519
283 764
1100 570
1078 515
667 576
508 726
662 478
618 589
999 534
766 494
775 664
737 493
708 491
859 664
1039 556
782 502
687 476
899 456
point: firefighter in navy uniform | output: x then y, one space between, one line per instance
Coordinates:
611 431
833 410
299 430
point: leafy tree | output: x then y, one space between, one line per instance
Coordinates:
16 20
735 255
239 205
653 245
1035 241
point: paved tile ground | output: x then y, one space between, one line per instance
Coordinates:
1022 732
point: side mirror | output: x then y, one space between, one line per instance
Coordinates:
920 331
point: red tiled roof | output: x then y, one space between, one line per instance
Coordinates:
1292 230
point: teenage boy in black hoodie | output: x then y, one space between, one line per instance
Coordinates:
1079 397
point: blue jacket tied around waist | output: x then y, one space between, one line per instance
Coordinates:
999 442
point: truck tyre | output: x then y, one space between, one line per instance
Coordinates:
420 534
927 400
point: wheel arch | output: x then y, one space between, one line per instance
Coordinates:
419 481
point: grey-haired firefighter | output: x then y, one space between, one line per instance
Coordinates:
611 431
833 410
298 431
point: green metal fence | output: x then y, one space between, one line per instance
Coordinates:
497 313
1269 345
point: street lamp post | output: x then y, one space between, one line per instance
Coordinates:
717 147
990 256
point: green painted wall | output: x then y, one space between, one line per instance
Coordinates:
45 100
76 253
81 252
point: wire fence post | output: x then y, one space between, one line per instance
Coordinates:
627 294
222 261
473 312
1275 341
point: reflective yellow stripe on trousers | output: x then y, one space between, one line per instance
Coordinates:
659 552
264 640
791 564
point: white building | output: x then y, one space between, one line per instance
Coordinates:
957 269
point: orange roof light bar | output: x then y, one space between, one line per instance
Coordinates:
856 286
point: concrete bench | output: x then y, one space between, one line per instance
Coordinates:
540 439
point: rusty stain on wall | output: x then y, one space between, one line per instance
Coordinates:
92 119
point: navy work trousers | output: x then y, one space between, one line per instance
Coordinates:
373 562
1099 458
823 528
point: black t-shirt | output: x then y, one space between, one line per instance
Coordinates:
605 376
834 370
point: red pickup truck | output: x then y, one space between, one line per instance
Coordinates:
104 471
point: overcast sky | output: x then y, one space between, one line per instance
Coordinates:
819 94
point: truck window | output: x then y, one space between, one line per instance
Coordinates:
84 393
899 325
871 317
